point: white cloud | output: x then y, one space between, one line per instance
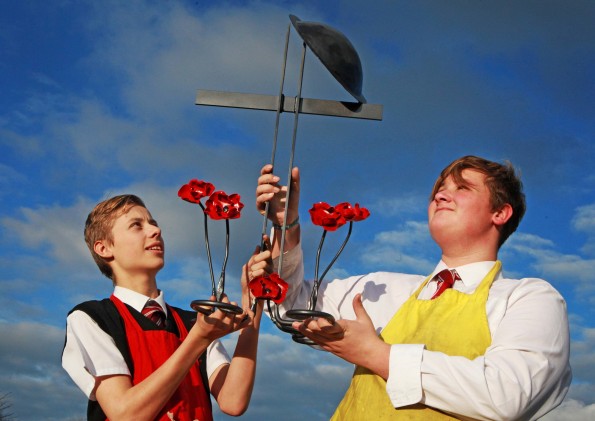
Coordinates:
101 140
399 206
168 51
572 410
409 248
30 368
582 392
531 241
53 230
287 369
412 233
31 146
564 268
582 356
584 221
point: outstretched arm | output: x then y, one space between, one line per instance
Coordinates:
232 384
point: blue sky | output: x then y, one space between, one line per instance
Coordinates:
98 99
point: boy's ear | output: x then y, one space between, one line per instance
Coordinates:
102 249
501 216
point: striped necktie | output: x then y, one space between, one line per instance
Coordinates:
154 312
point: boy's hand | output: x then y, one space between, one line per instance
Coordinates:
220 323
248 301
355 341
261 263
269 190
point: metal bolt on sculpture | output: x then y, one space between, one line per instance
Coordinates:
340 58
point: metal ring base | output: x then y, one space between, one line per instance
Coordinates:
305 314
198 305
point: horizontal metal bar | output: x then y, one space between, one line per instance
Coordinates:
307 106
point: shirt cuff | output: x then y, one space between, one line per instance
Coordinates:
403 385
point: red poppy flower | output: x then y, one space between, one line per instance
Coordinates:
352 213
195 190
222 206
270 287
326 216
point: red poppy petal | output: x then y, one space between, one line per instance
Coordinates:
270 287
362 214
348 212
185 193
221 206
319 212
283 286
195 190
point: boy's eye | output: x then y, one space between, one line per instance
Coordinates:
135 224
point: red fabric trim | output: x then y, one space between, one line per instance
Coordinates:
151 348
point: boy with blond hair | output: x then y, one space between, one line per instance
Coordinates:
164 365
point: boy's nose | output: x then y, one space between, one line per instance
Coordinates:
155 231
442 195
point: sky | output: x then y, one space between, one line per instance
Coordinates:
98 99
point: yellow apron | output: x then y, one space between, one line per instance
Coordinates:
443 324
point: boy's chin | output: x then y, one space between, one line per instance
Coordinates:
157 266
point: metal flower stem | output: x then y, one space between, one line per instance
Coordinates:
221 284
208 249
317 281
281 323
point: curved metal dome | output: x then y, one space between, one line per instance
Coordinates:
335 51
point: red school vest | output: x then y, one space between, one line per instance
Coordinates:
151 348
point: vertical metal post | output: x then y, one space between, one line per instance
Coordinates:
279 321
280 100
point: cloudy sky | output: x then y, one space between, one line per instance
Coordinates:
97 99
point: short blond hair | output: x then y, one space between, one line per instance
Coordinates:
100 222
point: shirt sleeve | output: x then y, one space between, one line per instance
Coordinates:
89 352
216 356
298 292
523 374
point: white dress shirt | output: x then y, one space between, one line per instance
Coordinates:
90 352
523 374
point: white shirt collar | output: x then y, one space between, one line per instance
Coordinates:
137 301
471 274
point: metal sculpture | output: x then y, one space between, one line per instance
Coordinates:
340 58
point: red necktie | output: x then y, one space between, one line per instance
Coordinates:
446 279
154 312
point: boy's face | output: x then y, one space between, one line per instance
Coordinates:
137 249
461 213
